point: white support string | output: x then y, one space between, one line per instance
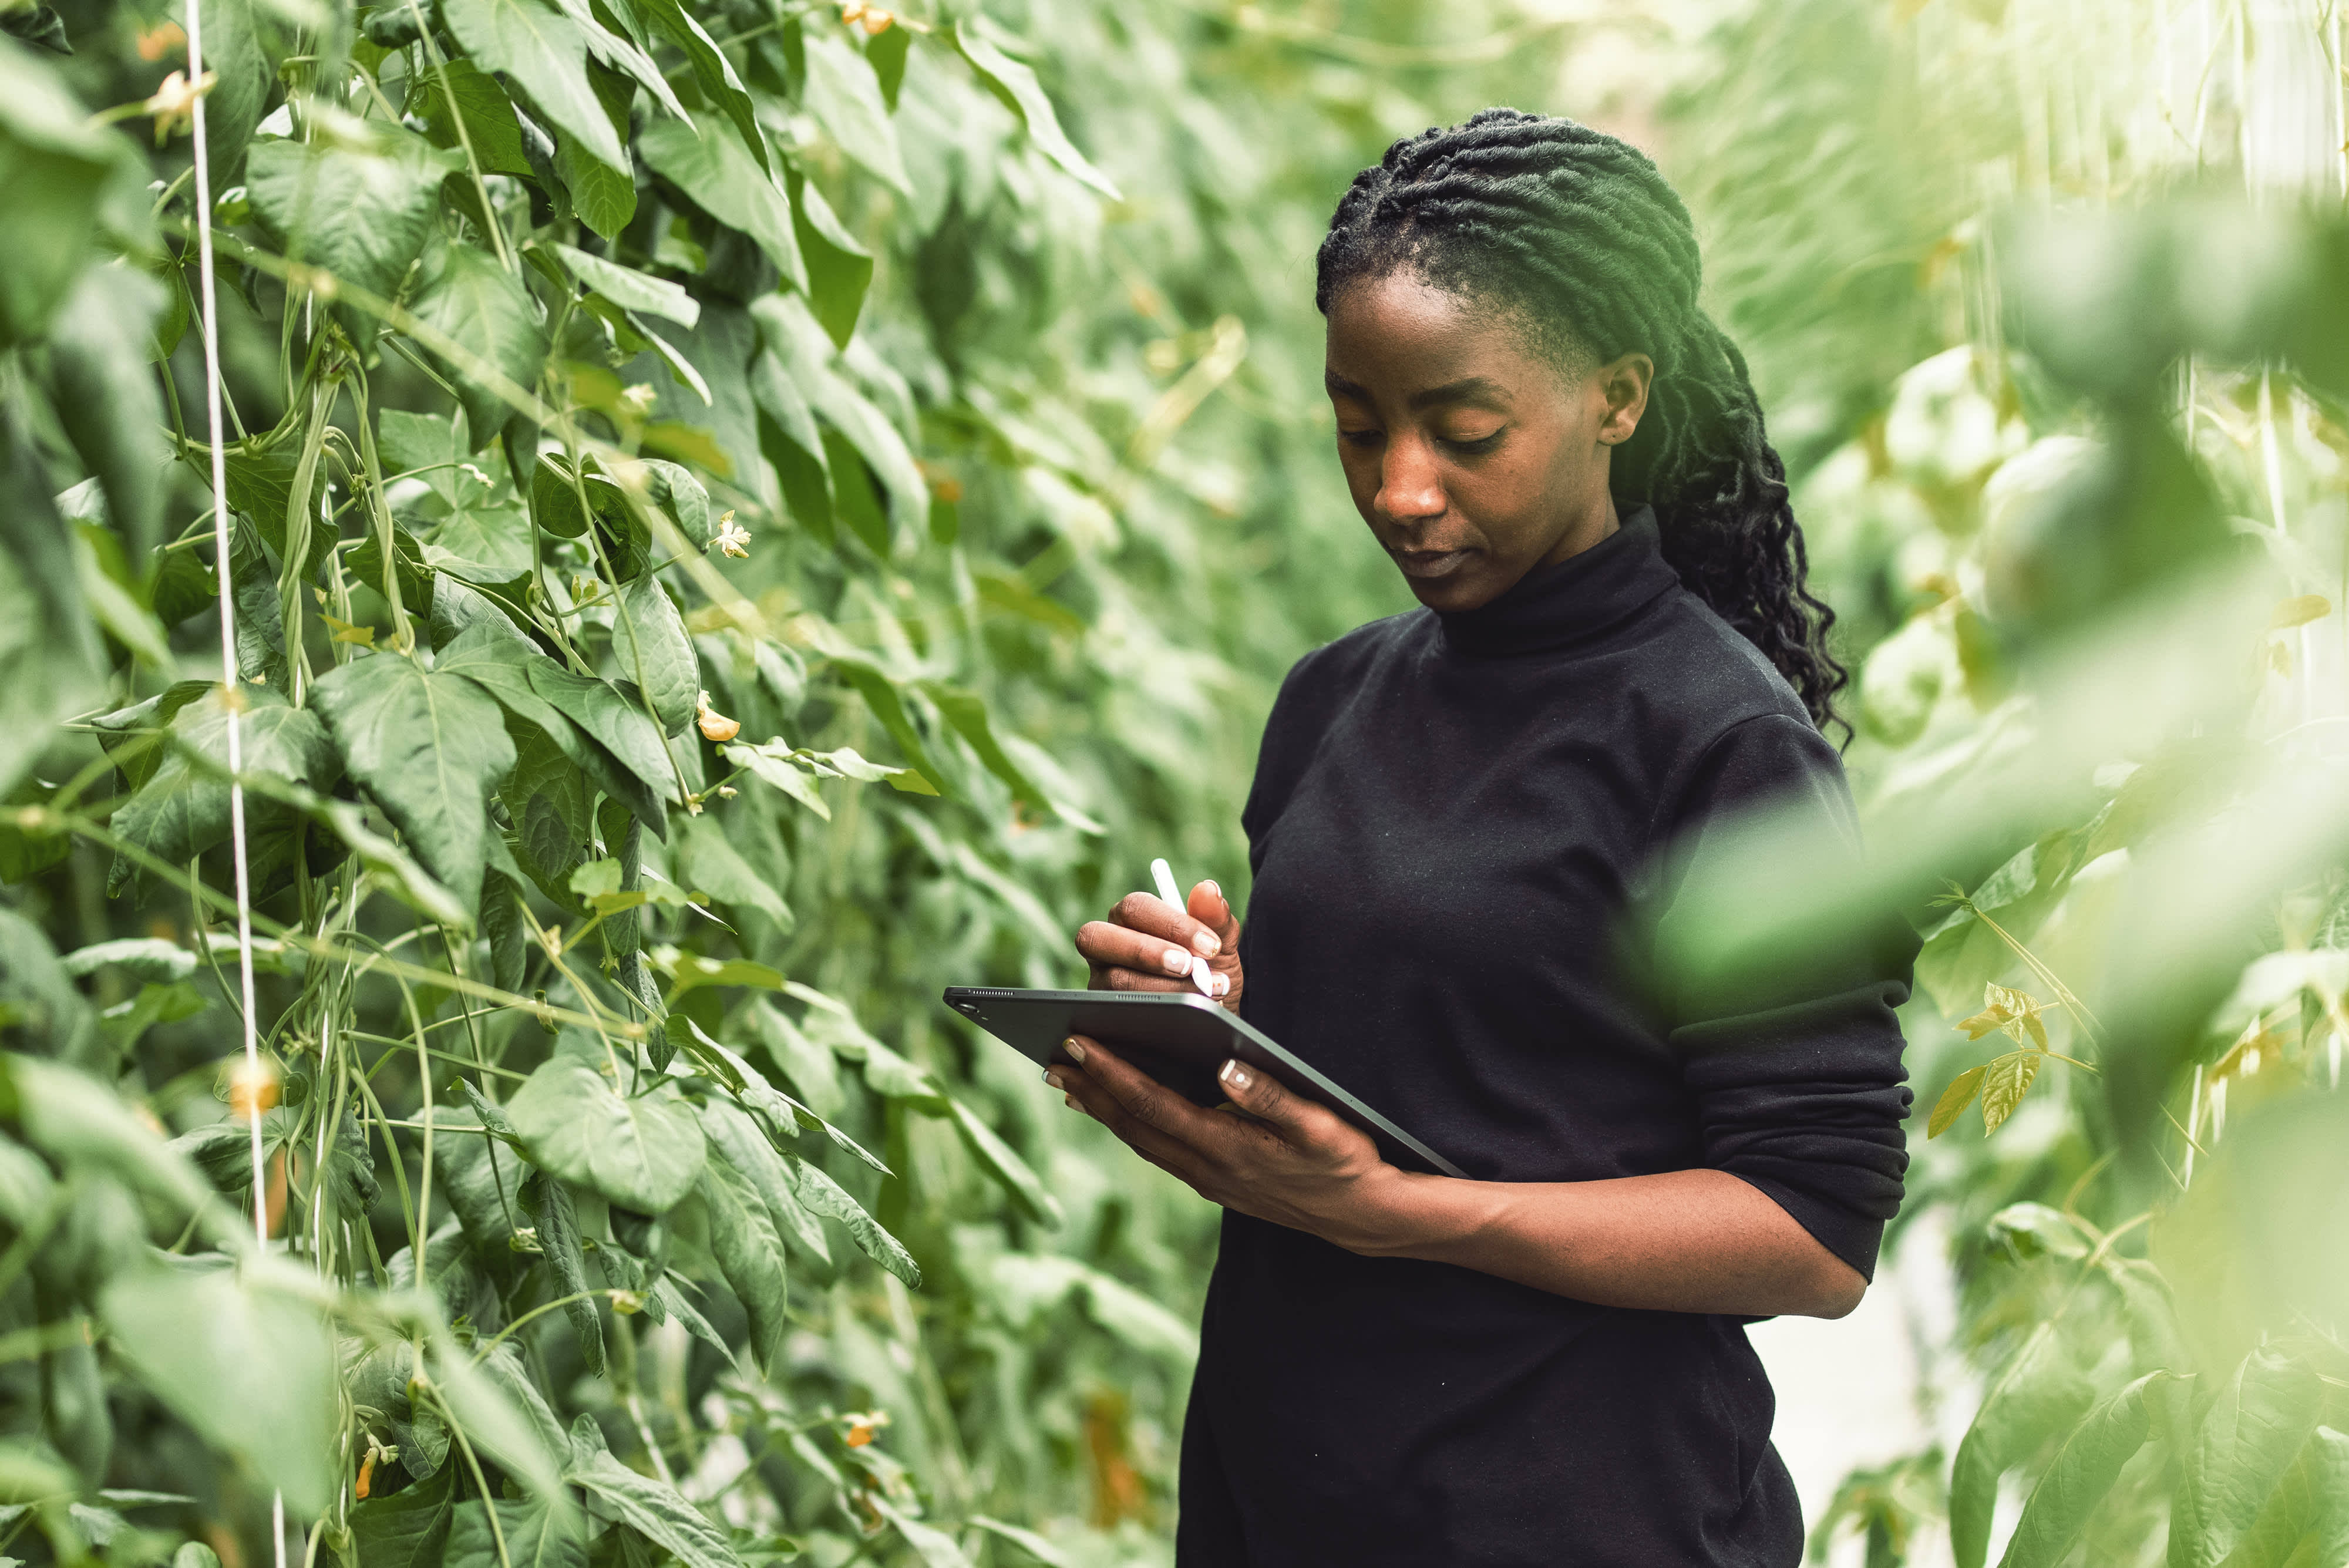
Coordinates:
232 689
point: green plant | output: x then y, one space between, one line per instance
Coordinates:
734 525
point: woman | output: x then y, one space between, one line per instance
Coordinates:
1458 815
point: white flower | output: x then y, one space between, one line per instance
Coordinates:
733 539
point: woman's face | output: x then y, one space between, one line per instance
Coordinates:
1473 458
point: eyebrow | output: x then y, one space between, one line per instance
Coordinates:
1467 388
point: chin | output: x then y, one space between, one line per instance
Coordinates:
1465 590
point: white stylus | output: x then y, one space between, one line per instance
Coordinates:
1163 874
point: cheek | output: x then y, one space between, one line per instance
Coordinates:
1361 469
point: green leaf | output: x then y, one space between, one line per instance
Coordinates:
549 1203
736 1133
466 294
934 1546
2082 1472
493 656
2251 1432
360 209
620 726
712 165
712 864
819 1194
772 765
430 446
429 747
149 959
455 89
839 268
249 1366
535 1535
1017 85
1139 1321
232 51
546 52
105 396
693 971
653 1508
555 500
1012 1172
2329 1458
1027 1541
616 53
408 1529
488 544
651 645
182 809
414 577
750 1252
604 195
887 55
643 1152
845 97
1960 1094
2005 1080
1005 592
868 430
2037 1393
713 71
628 288
57 164
494 1404
880 694
966 711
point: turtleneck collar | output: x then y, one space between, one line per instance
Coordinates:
1574 601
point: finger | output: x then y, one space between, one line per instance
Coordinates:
1105 945
1106 978
1153 916
1085 1092
1134 1096
1209 906
1296 1119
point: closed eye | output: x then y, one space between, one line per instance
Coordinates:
1477 446
1365 438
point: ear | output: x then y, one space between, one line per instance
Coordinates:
1624 385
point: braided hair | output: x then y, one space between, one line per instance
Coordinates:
1579 237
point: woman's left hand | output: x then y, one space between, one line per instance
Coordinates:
1267 1153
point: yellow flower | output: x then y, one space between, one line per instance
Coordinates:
872 18
174 103
861 1429
733 539
715 725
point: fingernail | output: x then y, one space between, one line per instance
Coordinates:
1234 1076
1070 1101
1207 943
1219 984
1176 960
1076 1052
1217 888
1054 1079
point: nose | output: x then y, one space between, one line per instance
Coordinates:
1409 490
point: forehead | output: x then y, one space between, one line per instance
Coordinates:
1398 334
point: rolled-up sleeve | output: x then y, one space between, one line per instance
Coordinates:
1796 1078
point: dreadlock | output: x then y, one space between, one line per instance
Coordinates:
1579 236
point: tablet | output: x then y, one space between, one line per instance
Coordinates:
1180 1039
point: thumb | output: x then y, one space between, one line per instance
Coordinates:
1254 1092
1209 906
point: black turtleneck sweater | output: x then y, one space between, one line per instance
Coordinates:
1458 829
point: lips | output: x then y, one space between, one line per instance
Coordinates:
1430 563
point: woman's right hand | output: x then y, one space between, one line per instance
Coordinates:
1146 944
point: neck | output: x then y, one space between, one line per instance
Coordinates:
1589 524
